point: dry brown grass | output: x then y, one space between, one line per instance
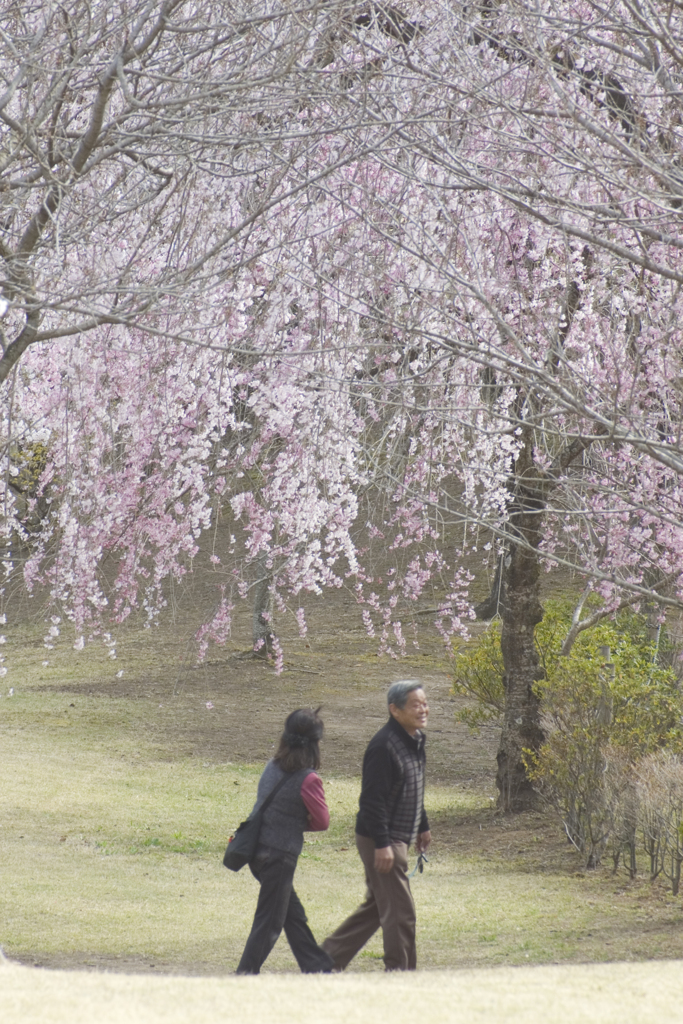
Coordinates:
608 994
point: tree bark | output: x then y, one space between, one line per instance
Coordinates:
516 597
521 611
262 629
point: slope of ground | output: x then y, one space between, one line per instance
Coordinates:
610 994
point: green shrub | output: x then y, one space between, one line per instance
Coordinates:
479 676
599 719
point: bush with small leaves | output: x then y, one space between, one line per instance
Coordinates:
659 783
604 706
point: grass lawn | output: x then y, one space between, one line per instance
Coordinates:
111 840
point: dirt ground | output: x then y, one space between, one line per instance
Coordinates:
336 666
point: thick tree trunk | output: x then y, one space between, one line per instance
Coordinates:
520 611
521 726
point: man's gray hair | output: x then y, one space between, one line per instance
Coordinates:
398 692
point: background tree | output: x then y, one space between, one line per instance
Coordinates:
138 143
444 317
534 156
146 151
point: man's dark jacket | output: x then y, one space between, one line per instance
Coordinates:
392 793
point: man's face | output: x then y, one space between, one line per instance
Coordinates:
414 715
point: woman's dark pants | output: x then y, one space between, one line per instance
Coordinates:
279 907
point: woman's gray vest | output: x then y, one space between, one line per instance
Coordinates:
286 816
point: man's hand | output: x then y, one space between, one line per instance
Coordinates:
423 841
384 860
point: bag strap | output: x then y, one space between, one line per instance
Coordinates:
273 792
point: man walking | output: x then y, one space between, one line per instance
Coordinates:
391 817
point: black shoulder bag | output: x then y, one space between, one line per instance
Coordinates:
242 846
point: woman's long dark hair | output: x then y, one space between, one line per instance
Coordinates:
300 742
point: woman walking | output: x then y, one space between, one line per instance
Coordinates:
297 807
